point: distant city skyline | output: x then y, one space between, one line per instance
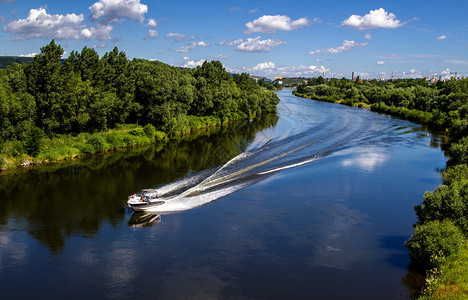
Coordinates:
373 39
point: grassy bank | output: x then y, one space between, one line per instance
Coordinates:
68 147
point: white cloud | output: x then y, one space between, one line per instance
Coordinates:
234 8
257 45
152 23
252 11
178 37
272 24
263 66
192 46
193 63
99 46
346 46
152 34
380 62
367 36
221 56
442 37
270 69
111 11
39 24
100 32
28 55
231 43
378 18
366 160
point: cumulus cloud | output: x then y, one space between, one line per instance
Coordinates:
100 32
152 34
178 37
152 23
193 63
272 24
111 11
263 66
39 24
442 37
257 45
378 18
367 36
190 47
380 62
346 46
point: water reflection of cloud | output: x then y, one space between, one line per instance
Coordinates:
11 251
366 160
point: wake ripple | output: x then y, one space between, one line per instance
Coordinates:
340 128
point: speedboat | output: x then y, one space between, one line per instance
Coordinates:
147 200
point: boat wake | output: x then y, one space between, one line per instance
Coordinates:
308 140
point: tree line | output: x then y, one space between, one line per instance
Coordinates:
439 242
88 93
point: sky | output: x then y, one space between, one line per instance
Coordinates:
373 39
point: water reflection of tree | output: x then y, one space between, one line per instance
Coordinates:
58 201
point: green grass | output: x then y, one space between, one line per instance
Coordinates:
66 147
450 280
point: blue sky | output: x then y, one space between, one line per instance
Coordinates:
374 39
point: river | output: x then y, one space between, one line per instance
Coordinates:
314 203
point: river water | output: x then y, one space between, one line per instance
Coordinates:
314 203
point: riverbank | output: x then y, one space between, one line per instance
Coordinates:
68 147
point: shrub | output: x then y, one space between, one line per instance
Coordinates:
455 173
98 143
33 142
459 151
434 240
87 149
446 202
150 131
114 141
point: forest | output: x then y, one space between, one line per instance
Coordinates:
93 103
439 242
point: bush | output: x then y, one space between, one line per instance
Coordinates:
446 202
434 240
98 143
114 141
33 142
150 131
459 152
455 173
87 149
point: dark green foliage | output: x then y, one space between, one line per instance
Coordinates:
447 202
33 142
86 93
150 131
434 240
455 173
98 142
459 151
